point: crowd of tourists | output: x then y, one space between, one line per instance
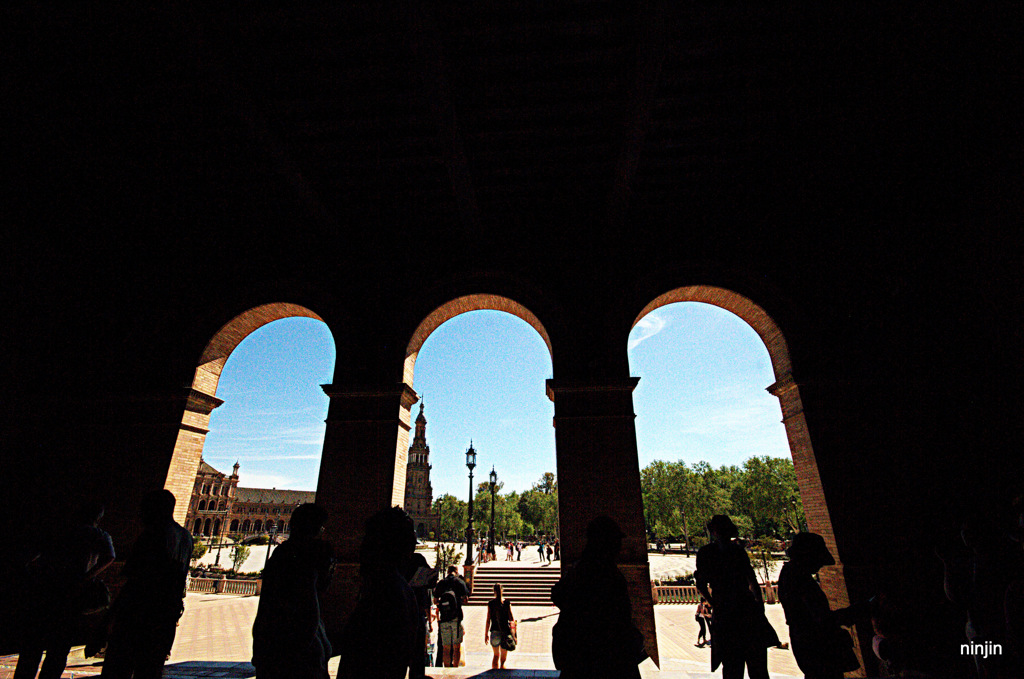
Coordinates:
401 598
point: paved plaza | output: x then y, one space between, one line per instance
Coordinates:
214 640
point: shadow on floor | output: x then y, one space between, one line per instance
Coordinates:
209 668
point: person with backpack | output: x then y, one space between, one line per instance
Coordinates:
449 595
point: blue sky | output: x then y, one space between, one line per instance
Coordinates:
701 396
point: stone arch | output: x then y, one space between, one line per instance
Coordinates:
257 526
202 398
462 305
202 505
786 390
197 526
216 527
246 526
446 312
206 527
234 526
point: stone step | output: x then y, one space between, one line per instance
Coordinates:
521 586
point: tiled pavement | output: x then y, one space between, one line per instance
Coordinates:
214 640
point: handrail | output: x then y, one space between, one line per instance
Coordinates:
688 594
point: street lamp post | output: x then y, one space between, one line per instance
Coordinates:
220 543
470 462
270 543
494 480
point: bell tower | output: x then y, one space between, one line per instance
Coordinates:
419 495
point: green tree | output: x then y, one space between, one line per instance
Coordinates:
769 496
198 550
444 556
452 513
239 556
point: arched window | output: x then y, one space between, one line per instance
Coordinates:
246 526
197 526
258 526
216 527
234 526
280 526
206 527
202 505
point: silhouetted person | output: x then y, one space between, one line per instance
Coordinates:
146 612
63 578
822 649
420 576
380 639
977 579
450 595
288 636
741 632
595 635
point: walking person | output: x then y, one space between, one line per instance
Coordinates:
519 550
499 628
558 556
288 635
702 617
146 613
742 633
64 574
540 552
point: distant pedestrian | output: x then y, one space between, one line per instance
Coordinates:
288 635
550 552
499 628
382 637
519 550
558 556
702 616
64 579
741 632
540 552
146 613
595 637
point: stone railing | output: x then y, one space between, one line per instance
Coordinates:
688 594
225 586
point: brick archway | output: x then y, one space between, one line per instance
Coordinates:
462 305
786 390
434 320
202 397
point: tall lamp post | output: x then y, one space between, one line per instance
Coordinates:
494 479
470 462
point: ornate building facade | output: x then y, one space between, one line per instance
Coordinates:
217 501
419 495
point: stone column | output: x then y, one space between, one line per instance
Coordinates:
361 472
598 473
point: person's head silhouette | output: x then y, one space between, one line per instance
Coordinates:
390 540
722 528
157 507
308 521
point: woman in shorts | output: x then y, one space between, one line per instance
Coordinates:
499 626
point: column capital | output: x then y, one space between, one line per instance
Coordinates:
361 391
556 387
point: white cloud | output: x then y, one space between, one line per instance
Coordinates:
264 480
649 326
